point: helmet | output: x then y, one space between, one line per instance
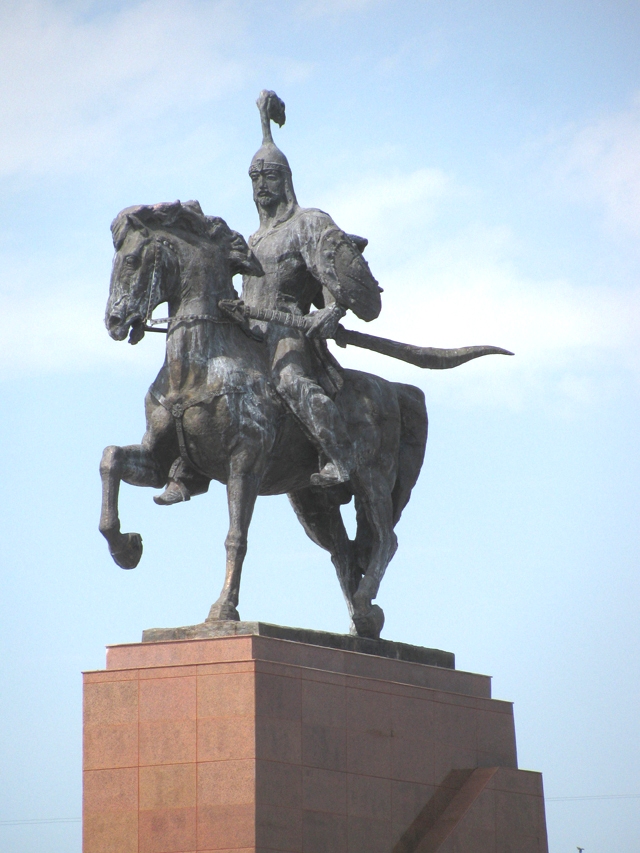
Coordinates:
269 156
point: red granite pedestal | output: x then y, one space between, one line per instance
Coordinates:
251 743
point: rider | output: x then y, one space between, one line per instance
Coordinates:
307 261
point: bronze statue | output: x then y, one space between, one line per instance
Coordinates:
307 260
249 394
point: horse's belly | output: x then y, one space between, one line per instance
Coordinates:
256 435
248 432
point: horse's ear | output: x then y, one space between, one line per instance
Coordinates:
217 227
169 212
138 224
193 205
118 231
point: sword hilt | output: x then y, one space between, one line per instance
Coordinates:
240 312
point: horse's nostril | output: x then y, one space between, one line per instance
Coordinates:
114 320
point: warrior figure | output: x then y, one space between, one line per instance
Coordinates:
307 261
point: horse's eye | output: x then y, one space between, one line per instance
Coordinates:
132 261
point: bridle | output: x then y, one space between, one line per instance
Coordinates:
149 324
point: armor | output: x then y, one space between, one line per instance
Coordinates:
307 261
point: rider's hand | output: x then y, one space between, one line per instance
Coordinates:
325 322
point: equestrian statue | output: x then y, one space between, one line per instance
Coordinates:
249 393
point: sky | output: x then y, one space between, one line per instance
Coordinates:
490 152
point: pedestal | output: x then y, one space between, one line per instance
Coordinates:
257 743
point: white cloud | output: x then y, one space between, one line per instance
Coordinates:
52 310
397 205
601 162
76 88
572 342
64 333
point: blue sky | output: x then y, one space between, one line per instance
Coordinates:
491 154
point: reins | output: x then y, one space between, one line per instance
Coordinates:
172 321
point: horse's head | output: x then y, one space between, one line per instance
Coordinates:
141 275
152 242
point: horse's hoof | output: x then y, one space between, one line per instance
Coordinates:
127 554
370 624
224 612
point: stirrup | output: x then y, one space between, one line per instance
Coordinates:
175 493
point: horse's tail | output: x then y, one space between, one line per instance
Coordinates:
413 441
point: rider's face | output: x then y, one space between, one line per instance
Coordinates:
269 188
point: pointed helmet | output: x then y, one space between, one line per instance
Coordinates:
269 156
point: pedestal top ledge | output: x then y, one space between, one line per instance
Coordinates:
296 652
344 642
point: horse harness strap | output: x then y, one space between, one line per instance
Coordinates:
173 321
178 409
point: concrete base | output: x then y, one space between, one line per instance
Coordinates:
255 743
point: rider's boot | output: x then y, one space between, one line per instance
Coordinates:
333 473
175 493
337 457
183 484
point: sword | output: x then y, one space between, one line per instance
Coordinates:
432 358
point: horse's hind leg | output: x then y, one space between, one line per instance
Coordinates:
378 544
319 514
136 465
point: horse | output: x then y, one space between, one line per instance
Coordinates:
213 405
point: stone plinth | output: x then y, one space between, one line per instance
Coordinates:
255 743
346 642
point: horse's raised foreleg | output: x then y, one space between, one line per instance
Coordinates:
377 506
136 465
242 491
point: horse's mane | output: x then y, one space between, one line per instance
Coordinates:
189 217
186 215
